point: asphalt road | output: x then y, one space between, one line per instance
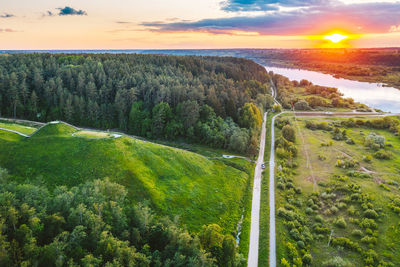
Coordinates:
255 204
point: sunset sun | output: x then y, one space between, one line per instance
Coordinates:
336 37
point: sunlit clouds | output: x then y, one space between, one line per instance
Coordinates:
50 24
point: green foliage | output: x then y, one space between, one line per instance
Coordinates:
340 222
382 154
95 224
289 133
374 141
280 122
345 243
318 126
154 96
367 158
302 105
336 262
277 108
250 116
347 163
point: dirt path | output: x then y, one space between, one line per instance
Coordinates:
255 204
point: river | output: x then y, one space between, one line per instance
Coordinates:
372 94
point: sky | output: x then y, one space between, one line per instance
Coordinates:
196 24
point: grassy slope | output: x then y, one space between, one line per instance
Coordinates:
17 127
388 245
176 182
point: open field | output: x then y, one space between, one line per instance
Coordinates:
175 182
336 199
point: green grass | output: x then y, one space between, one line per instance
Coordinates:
246 224
10 137
17 127
178 183
324 171
54 129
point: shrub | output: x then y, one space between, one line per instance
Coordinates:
336 262
347 163
334 210
307 259
280 122
295 234
309 211
280 186
367 158
371 258
369 240
382 154
321 157
289 133
285 263
368 223
357 233
277 108
369 213
351 210
346 243
302 105
340 222
287 214
301 244
350 141
374 141
319 218
342 205
387 188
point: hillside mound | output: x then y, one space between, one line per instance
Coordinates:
179 183
55 128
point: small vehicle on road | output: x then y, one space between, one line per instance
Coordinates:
263 166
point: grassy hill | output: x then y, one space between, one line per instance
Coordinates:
174 181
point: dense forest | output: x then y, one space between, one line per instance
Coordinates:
210 100
95 224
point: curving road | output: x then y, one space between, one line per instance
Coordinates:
255 204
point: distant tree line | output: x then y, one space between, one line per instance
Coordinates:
94 224
210 100
304 95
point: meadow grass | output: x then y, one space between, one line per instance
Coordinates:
324 171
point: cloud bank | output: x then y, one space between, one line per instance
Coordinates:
310 17
265 5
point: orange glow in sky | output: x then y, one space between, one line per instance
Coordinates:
175 24
336 37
